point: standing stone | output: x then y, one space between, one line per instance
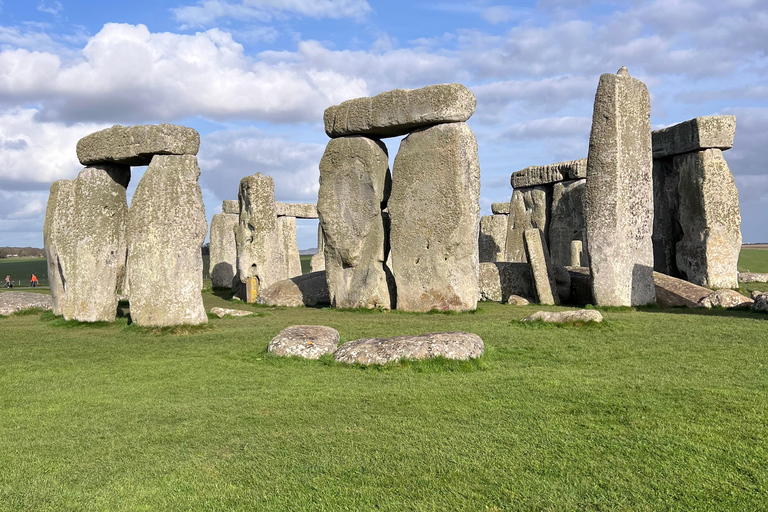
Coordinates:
354 187
166 229
541 267
223 248
231 206
286 232
567 222
577 253
493 237
58 232
500 208
619 193
529 208
259 253
434 210
710 219
317 262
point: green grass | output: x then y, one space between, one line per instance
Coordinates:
305 263
753 260
655 410
21 269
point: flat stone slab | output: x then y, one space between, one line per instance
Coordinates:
13 302
700 133
552 173
450 345
673 292
222 312
560 317
136 145
726 299
307 341
516 300
298 210
752 277
500 208
400 111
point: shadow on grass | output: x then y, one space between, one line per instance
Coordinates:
59 321
541 324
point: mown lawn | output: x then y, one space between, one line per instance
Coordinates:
753 260
654 410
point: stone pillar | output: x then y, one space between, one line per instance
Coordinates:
577 253
223 248
434 210
541 268
317 263
493 237
286 232
567 222
529 208
619 193
56 239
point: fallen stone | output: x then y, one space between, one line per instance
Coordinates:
516 300
286 234
296 210
400 111
619 193
493 237
726 299
561 317
752 277
761 303
307 341
166 228
231 206
544 174
13 302
450 345
304 290
222 312
529 208
500 208
673 292
497 281
710 132
567 222
223 250
541 268
435 255
136 145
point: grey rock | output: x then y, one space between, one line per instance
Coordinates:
529 208
710 219
726 299
499 280
230 206
450 345
297 210
516 300
674 292
755 294
577 254
711 132
619 193
561 317
222 312
400 111
500 208
317 263
752 277
304 290
286 233
435 255
493 237
544 174
567 221
58 233
354 185
166 228
307 341
136 145
13 302
223 251
761 303
562 282
541 268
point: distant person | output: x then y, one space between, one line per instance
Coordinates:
8 282
34 281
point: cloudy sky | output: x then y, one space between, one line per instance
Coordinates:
254 76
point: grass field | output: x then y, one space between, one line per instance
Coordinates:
753 260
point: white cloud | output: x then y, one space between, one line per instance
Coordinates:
53 7
207 12
498 14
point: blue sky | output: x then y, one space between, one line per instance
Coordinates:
254 76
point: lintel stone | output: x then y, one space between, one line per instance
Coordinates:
543 174
698 134
136 145
298 210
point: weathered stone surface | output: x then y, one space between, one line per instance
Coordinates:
450 345
761 303
13 302
710 220
435 256
752 277
493 237
222 312
666 225
231 206
567 222
400 111
303 290
136 145
354 186
619 193
516 300
499 280
673 292
166 228
500 208
317 263
85 242
297 210
726 299
223 250
259 252
529 208
544 174
541 268
560 317
562 283
577 254
307 341
710 132
286 233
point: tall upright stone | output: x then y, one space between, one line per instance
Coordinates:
619 193
493 237
57 236
286 233
541 267
223 247
434 209
317 262
529 208
354 188
166 229
567 222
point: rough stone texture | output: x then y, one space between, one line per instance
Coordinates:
13 302
307 341
136 145
529 208
354 186
516 300
259 252
304 290
562 282
166 228
567 222
501 279
230 206
222 312
619 193
500 208
673 292
317 262
761 303
578 316
541 268
666 226
450 345
85 242
710 219
581 286
493 237
400 111
726 299
544 174
435 255
223 250
296 210
752 277
286 232
711 132
577 253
